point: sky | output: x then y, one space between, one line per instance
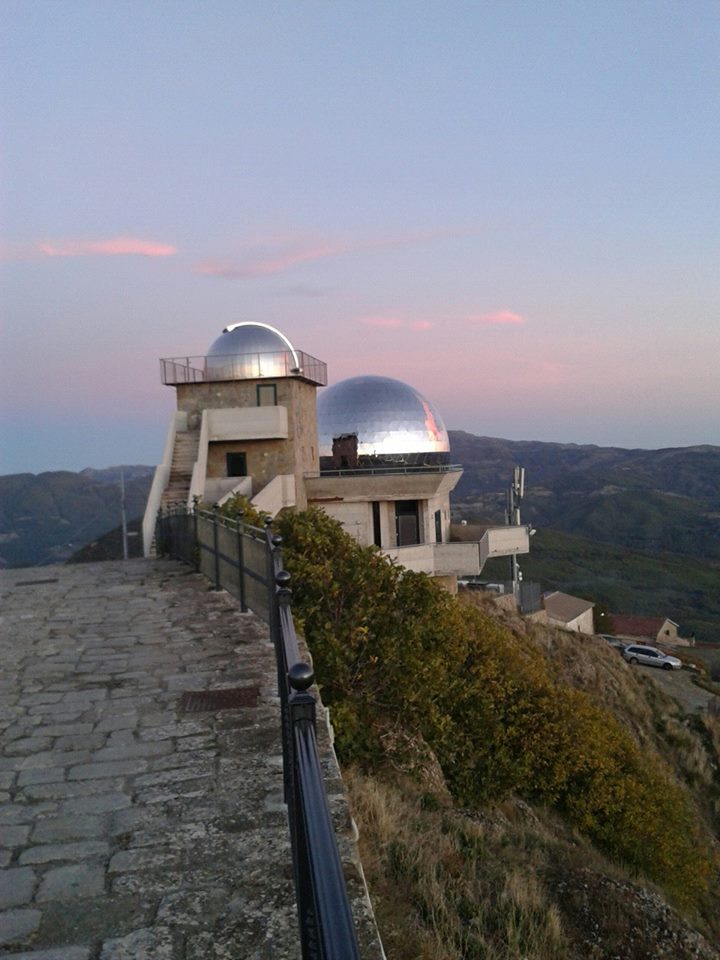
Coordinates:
512 206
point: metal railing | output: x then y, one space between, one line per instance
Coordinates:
386 469
245 366
247 561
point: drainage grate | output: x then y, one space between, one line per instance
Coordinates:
209 701
33 583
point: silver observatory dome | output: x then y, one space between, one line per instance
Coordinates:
249 350
393 424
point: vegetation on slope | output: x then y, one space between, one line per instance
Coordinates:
395 654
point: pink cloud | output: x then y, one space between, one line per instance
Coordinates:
269 256
265 266
500 318
116 246
389 322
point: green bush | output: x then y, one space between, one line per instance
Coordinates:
394 650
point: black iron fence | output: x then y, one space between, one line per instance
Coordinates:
247 562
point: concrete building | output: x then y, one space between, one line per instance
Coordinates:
370 451
570 613
653 630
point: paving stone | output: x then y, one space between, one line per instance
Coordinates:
16 887
54 758
155 942
146 858
14 835
28 745
93 771
132 806
16 925
72 882
40 775
7 779
132 750
82 850
125 721
101 803
69 827
24 812
63 953
79 788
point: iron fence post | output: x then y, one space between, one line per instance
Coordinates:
284 594
196 542
241 561
216 549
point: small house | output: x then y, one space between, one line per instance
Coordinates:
570 613
649 630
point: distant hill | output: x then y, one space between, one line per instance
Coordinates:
45 518
636 529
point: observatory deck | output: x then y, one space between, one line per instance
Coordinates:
137 821
244 366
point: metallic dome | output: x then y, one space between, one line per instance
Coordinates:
393 423
249 350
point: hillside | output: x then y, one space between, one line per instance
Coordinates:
636 529
520 791
45 518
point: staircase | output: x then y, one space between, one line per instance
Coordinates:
185 454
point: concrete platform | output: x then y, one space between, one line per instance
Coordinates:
128 827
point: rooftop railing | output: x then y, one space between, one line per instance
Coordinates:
385 469
247 561
245 366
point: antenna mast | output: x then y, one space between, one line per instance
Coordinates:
123 514
514 498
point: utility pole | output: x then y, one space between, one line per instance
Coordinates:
514 498
123 514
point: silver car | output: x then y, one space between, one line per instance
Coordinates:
651 656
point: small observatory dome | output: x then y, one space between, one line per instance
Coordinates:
249 350
367 421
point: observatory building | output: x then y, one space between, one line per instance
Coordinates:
370 451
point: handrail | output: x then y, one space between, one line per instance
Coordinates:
243 366
362 471
326 926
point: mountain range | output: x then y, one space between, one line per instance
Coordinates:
46 517
636 530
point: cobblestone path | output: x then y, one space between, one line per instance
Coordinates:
130 828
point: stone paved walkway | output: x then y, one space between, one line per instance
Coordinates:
128 828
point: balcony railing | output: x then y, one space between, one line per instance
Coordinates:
245 366
374 471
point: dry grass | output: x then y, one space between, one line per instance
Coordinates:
511 883
507 883
447 885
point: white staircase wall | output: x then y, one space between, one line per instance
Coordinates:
160 481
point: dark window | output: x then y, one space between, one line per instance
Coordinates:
377 539
236 464
438 526
407 522
266 394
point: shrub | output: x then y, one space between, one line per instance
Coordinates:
391 648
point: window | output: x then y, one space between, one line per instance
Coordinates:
438 526
407 522
236 464
377 537
266 394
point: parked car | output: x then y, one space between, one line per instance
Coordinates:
613 641
651 656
